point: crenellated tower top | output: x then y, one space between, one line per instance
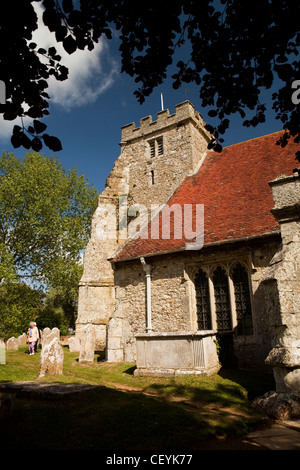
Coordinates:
183 112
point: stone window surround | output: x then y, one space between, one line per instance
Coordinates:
209 268
156 147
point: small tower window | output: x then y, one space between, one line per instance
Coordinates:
152 177
156 147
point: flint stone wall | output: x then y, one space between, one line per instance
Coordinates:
173 299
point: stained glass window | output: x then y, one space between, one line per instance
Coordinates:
242 300
202 301
223 311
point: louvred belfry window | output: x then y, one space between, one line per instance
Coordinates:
202 301
156 147
242 300
152 148
223 311
160 146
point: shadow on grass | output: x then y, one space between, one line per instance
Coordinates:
255 382
107 419
228 388
222 394
130 371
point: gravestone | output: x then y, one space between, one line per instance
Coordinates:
44 333
22 339
74 344
2 352
12 343
52 358
48 335
87 344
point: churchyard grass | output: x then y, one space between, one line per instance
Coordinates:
128 412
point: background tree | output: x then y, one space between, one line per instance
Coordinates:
45 217
7 270
236 50
19 305
61 301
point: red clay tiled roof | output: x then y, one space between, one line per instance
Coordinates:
233 186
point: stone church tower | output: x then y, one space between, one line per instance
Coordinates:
155 158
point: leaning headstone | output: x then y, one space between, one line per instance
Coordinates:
2 352
12 343
87 344
22 339
74 344
52 359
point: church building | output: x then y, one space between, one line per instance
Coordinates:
188 243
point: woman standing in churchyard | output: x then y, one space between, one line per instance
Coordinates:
33 336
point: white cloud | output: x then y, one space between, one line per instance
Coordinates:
87 78
6 128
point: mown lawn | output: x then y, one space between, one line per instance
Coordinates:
128 412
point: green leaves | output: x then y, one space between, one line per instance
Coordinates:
19 304
233 53
45 215
7 271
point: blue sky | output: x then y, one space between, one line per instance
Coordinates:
87 113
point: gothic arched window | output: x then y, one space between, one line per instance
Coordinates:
223 310
242 300
202 301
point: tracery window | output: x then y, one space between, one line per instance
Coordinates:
223 299
202 301
223 311
242 300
